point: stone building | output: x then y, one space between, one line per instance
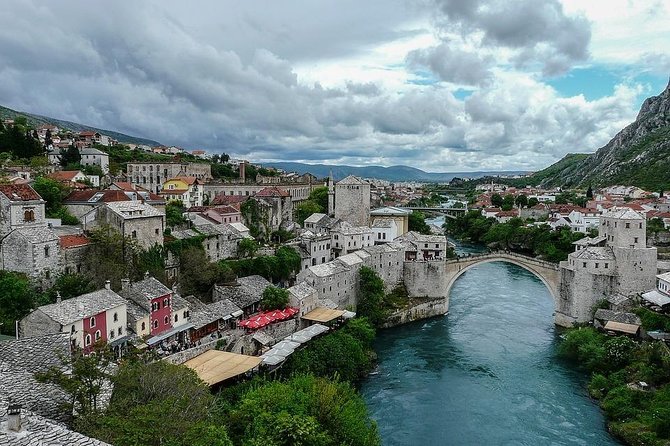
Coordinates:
303 297
398 216
95 157
84 204
99 316
423 247
20 207
152 175
346 238
615 262
133 219
281 206
352 200
73 247
220 241
314 248
246 293
33 251
297 191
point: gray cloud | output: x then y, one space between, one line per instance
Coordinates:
539 29
222 77
453 65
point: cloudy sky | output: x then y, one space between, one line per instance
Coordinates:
443 85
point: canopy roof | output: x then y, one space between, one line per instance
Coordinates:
322 314
215 366
621 327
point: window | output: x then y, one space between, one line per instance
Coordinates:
144 326
156 231
627 225
584 264
607 265
87 341
596 264
72 329
97 335
91 322
635 240
116 317
156 323
166 320
46 251
120 330
186 314
134 234
111 334
29 215
176 318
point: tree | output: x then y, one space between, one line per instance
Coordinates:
70 156
496 200
16 300
417 222
51 191
247 247
532 201
83 378
305 209
274 298
70 285
111 257
521 200
371 296
198 275
508 203
319 195
174 213
157 404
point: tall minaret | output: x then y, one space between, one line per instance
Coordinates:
331 194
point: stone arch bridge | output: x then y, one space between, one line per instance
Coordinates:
549 273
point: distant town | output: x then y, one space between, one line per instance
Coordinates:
230 268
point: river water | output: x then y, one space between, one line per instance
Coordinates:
485 374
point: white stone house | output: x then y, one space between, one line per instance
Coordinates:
20 207
95 157
33 251
346 238
384 230
423 247
139 221
303 297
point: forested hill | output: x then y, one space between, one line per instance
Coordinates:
37 120
638 155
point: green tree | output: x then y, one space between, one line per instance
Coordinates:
497 200
274 298
70 285
51 191
70 156
371 296
305 209
508 203
532 201
111 257
247 247
174 213
198 275
417 222
319 195
521 200
16 300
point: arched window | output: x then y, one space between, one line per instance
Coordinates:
166 319
116 317
87 341
29 215
111 334
144 326
156 323
91 321
176 318
97 335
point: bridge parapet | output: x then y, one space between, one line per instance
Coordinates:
505 255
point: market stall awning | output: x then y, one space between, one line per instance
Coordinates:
656 298
215 366
621 327
174 330
322 314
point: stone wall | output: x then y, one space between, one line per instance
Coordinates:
37 324
659 239
418 309
183 356
352 203
425 279
579 292
636 269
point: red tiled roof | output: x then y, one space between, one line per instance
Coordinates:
73 241
19 192
108 196
64 175
187 180
172 191
124 185
657 214
229 199
225 209
272 192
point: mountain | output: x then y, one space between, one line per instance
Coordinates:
392 173
37 120
639 155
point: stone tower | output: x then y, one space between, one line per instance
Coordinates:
352 201
331 194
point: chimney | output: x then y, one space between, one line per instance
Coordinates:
108 284
14 417
125 283
146 274
174 288
58 299
243 173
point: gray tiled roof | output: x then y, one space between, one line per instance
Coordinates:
37 354
595 253
86 305
222 308
143 291
617 316
133 209
301 290
247 291
39 431
37 234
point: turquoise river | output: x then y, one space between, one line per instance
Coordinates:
485 374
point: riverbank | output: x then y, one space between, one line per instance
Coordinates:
631 380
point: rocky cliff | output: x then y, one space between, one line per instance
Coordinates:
638 155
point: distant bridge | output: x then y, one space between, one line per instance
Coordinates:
450 212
